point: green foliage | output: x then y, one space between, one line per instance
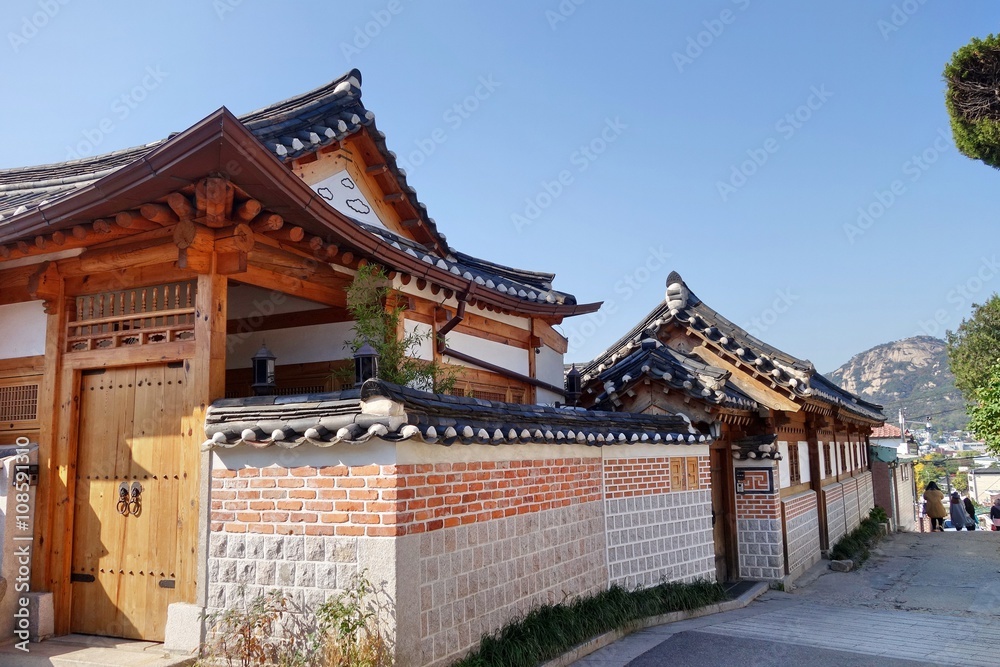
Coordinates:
857 544
550 630
271 630
934 468
377 322
974 348
973 78
984 411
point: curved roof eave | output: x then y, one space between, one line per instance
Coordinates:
213 144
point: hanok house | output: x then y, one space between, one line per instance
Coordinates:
135 288
789 466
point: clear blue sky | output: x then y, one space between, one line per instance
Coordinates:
829 102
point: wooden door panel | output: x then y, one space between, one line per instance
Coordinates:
131 433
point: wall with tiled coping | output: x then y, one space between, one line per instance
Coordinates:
472 536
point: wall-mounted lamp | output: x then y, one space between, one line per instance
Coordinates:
365 364
263 371
572 386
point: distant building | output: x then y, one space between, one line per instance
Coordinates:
984 485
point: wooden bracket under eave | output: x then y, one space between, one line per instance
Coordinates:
46 284
232 244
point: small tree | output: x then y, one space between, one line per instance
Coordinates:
974 347
984 411
973 99
378 316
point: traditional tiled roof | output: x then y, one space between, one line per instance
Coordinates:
395 413
684 308
886 431
528 285
680 371
290 129
756 447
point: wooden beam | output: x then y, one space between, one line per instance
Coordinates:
158 213
550 336
303 318
267 222
22 366
293 234
126 256
247 210
181 206
394 197
46 284
310 289
380 168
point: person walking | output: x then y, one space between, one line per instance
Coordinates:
958 516
970 509
995 514
935 507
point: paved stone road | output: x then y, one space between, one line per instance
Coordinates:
923 599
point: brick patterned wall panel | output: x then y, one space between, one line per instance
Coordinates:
758 526
851 511
477 577
836 521
801 531
866 493
660 537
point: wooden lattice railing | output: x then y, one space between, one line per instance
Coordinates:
140 316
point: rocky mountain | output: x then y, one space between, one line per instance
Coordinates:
911 373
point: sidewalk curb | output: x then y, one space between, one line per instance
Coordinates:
600 641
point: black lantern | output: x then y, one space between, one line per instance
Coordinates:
263 371
572 386
365 364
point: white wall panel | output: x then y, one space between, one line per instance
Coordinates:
22 330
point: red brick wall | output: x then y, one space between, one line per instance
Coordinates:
798 506
626 478
390 500
758 506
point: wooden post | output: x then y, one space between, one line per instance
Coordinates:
208 383
54 500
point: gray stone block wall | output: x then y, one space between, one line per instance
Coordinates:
309 569
802 539
660 537
835 519
477 577
866 493
761 550
851 510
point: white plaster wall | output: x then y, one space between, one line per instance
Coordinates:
512 358
250 301
784 474
375 451
426 348
22 330
823 472
804 461
549 368
316 342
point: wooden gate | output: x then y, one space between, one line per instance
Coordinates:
722 514
135 522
